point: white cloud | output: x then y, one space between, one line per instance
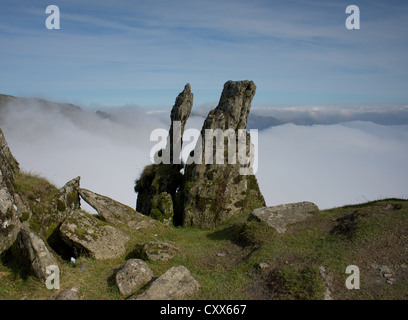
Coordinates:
108 154
331 165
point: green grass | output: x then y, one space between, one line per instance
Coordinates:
34 187
225 260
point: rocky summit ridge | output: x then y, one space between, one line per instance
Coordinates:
41 226
227 243
206 194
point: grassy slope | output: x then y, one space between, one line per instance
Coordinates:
225 260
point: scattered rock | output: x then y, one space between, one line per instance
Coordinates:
132 276
263 265
176 283
115 212
385 270
70 294
374 266
32 248
157 250
86 234
278 217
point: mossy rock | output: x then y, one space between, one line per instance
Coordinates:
162 207
25 216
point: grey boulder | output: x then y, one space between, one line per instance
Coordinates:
134 274
176 283
87 234
115 212
32 248
278 217
157 250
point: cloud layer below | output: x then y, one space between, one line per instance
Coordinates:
331 165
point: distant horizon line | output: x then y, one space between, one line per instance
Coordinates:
203 105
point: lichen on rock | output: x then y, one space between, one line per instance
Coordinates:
88 235
212 193
206 194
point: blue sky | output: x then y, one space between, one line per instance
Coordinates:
120 52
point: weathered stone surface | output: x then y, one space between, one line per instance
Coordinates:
32 248
278 217
165 177
67 197
154 180
176 283
11 205
6 153
157 250
55 212
134 274
70 294
115 212
180 112
207 194
214 192
88 235
162 208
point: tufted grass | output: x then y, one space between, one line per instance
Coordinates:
225 260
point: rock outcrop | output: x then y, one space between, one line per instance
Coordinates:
209 192
90 236
278 217
8 156
215 192
67 197
33 249
162 208
176 283
179 115
133 275
65 202
115 212
11 205
160 181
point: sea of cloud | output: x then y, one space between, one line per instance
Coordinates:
331 165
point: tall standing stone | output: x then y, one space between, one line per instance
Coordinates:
215 192
179 115
161 180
